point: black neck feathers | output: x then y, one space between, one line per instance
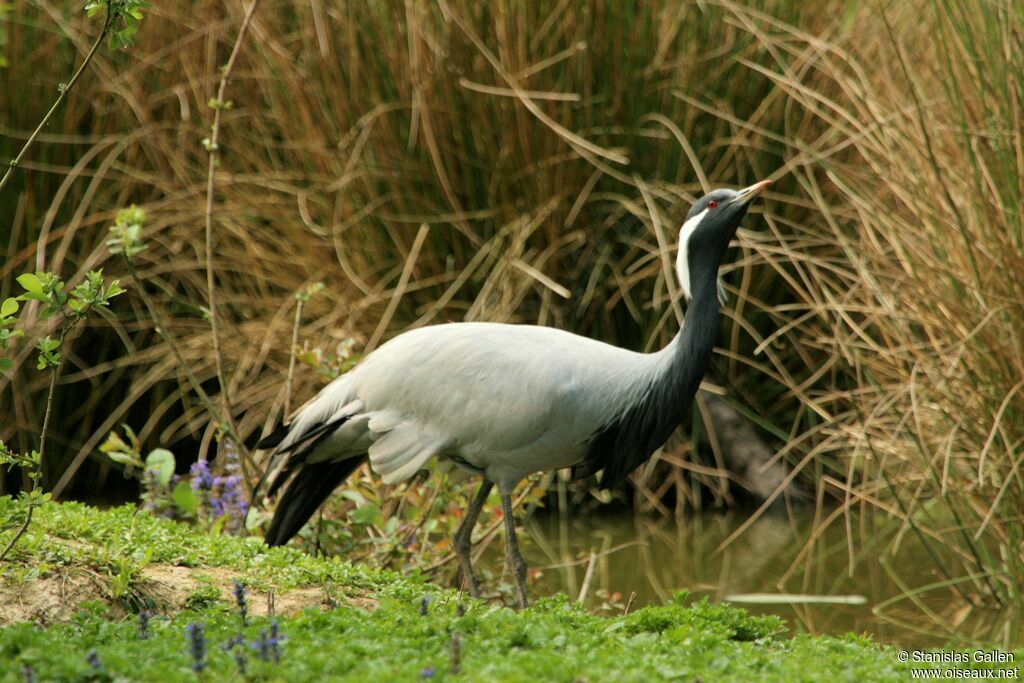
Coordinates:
621 446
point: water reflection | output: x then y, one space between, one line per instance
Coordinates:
654 558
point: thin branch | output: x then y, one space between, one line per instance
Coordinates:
65 327
218 107
64 90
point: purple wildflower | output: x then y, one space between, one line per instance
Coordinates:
144 617
240 661
268 645
233 642
202 477
156 496
151 485
93 658
275 641
262 646
243 606
232 494
427 672
196 646
221 496
236 646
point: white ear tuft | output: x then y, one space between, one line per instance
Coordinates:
682 261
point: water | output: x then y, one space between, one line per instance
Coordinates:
655 557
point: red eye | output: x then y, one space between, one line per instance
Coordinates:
712 204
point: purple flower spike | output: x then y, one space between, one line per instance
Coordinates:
196 646
202 478
221 496
240 602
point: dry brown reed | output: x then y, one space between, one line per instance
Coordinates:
351 127
907 286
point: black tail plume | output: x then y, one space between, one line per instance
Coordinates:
307 490
273 438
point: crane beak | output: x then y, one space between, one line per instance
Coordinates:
749 194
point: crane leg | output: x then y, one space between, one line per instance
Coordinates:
463 537
516 563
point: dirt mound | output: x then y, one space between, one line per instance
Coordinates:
162 588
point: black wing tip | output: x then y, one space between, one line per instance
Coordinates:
274 438
305 493
275 537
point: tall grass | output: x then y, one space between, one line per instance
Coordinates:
350 127
908 284
874 328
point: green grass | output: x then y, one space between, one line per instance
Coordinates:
71 534
553 640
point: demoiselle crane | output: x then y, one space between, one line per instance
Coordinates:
504 401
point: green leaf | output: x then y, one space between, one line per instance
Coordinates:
356 497
47 344
31 283
132 436
254 519
217 526
114 442
185 498
8 308
161 462
367 514
125 458
6 364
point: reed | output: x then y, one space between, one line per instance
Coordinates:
907 291
350 128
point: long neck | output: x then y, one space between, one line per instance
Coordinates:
691 348
664 391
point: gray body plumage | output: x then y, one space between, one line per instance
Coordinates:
500 400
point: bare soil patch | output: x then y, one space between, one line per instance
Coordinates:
164 588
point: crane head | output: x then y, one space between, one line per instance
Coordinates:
708 228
